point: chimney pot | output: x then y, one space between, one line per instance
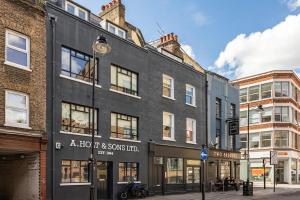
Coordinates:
161 39
110 4
165 38
107 6
169 37
103 7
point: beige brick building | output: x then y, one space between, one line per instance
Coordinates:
23 136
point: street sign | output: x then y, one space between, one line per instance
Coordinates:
273 158
234 127
204 154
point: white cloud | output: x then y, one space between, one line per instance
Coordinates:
199 18
274 48
293 4
188 50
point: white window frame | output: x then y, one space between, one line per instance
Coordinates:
194 95
77 8
27 51
172 86
193 121
117 29
27 109
172 138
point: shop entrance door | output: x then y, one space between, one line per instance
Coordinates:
193 178
158 175
280 172
104 180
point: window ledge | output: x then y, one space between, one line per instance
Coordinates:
169 139
191 105
125 140
80 81
188 142
81 134
18 66
17 126
123 182
124 93
71 184
171 98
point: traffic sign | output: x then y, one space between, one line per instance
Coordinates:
204 154
273 158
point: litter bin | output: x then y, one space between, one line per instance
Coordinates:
247 188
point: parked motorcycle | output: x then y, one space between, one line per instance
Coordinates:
133 189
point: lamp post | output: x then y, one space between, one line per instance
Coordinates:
101 47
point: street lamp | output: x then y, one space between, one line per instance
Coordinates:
259 108
101 47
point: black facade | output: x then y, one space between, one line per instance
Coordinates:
68 31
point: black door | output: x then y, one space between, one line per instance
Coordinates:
158 175
104 180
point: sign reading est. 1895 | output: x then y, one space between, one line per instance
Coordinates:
104 148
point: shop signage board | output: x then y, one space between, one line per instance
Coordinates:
273 158
234 127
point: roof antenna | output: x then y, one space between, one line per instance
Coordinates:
161 30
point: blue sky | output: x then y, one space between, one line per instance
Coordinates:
207 26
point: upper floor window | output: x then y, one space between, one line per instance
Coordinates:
266 90
16 109
168 86
168 126
190 97
265 139
243 140
77 118
254 140
266 115
254 93
124 126
281 138
243 95
74 171
78 65
243 118
128 171
218 108
190 130
282 89
76 10
124 80
254 117
232 111
116 30
282 114
17 50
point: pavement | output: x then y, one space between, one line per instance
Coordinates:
283 192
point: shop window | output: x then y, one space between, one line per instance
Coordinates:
174 171
265 139
78 119
168 126
254 117
257 174
254 140
282 89
243 118
168 86
128 171
254 93
243 95
76 10
17 50
124 126
190 130
282 114
190 95
192 174
294 170
78 65
225 169
16 109
74 171
266 115
281 138
266 90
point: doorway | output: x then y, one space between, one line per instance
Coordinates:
158 174
280 172
104 180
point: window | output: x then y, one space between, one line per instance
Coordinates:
232 111
243 118
16 109
124 80
124 126
77 118
174 171
128 171
168 86
76 10
266 115
78 65
282 89
17 49
74 171
190 130
168 126
116 30
218 133
218 108
281 138
294 92
190 97
294 140
243 140
282 114
254 140
265 139
243 95
225 169
254 117
254 93
266 90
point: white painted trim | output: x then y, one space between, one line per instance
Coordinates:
17 66
188 142
191 105
169 139
78 80
124 93
125 140
72 184
257 83
81 134
168 97
76 10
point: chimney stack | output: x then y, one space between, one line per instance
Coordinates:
114 11
170 43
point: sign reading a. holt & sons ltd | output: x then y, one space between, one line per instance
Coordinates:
103 147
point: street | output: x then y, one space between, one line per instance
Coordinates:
259 194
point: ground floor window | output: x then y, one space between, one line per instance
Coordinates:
257 173
225 167
74 171
193 171
128 171
174 171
